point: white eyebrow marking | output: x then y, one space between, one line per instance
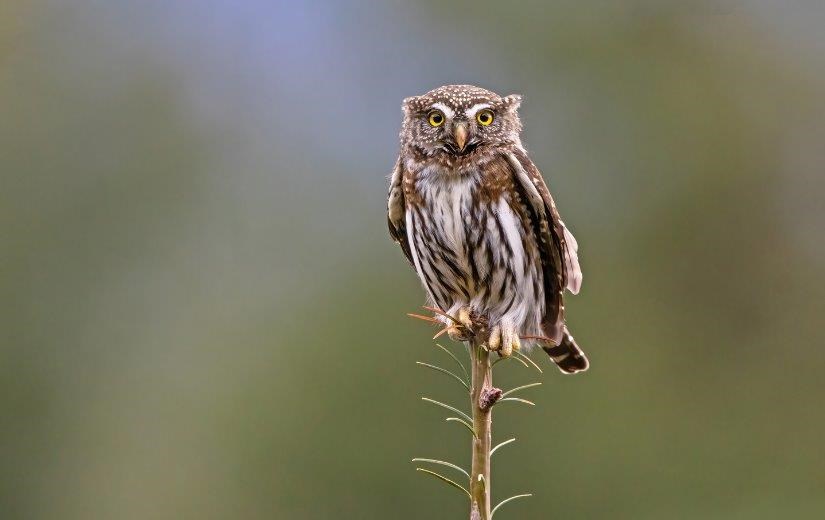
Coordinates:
475 108
448 112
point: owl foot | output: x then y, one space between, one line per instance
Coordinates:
459 328
504 339
462 327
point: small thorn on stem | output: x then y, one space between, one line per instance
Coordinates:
489 397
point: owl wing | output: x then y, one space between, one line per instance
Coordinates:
397 212
558 247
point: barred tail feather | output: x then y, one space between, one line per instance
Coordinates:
567 355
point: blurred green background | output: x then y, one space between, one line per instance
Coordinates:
203 316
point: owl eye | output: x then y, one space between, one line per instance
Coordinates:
435 118
485 117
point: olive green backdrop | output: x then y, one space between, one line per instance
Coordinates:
202 316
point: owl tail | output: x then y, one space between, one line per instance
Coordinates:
567 355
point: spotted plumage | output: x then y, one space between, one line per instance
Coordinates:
475 219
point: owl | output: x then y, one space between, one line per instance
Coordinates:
476 221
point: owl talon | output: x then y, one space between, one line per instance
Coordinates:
457 333
507 334
504 340
463 330
464 318
494 341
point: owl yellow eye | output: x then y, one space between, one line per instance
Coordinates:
436 118
485 117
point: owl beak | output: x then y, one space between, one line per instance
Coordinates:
460 135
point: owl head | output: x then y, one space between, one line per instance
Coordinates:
456 120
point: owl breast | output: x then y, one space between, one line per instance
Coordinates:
473 248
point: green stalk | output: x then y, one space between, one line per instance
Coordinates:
482 379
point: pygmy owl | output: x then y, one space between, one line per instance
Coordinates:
476 221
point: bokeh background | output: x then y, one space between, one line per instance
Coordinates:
202 315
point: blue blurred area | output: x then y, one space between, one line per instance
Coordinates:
202 315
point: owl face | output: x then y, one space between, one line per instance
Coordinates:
456 120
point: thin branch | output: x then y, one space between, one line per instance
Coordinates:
445 479
444 463
493 512
519 400
478 381
482 385
523 357
460 364
514 356
448 407
500 359
499 445
516 389
462 421
444 371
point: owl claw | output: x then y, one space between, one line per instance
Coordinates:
494 341
463 328
507 334
464 318
504 340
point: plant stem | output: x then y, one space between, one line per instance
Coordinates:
482 378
